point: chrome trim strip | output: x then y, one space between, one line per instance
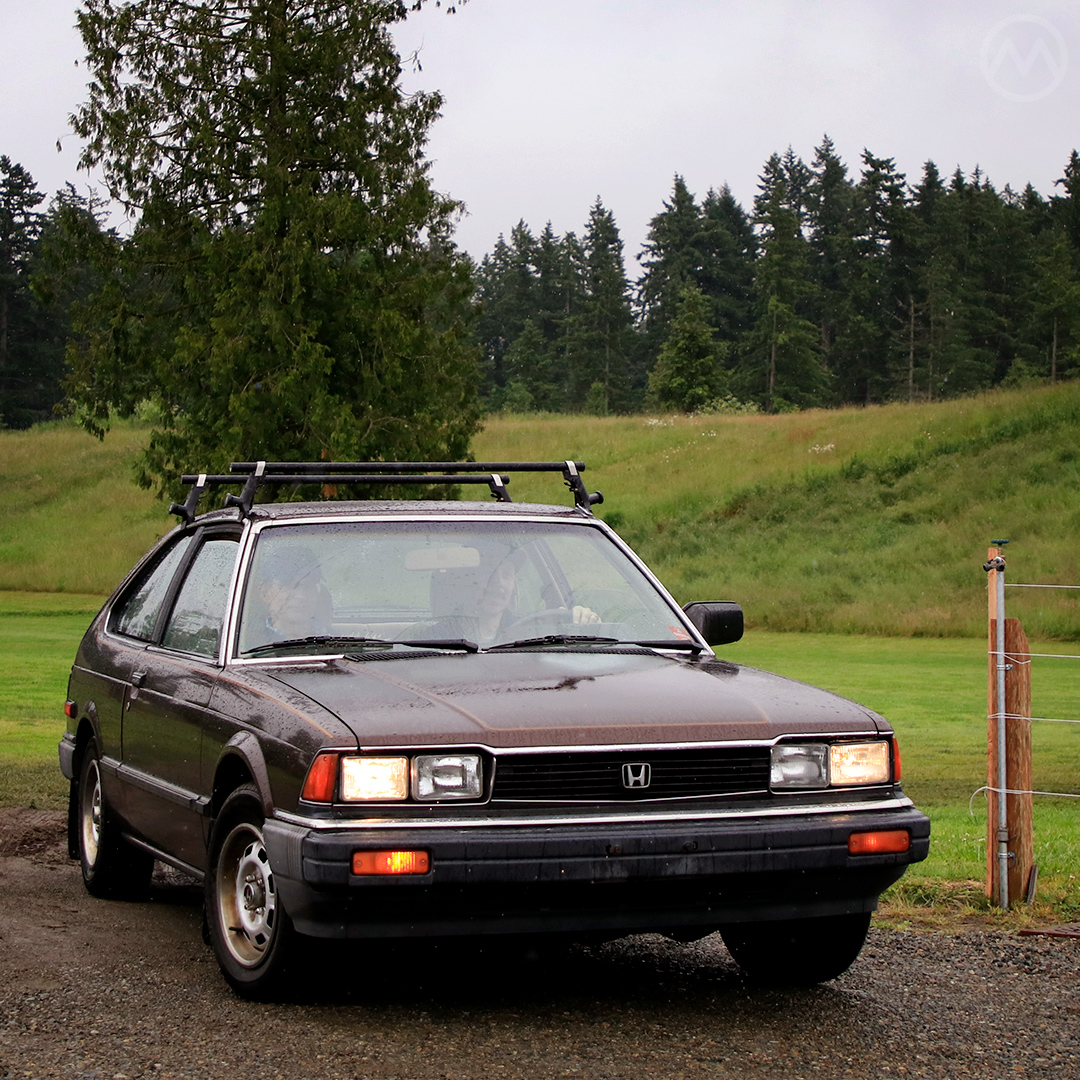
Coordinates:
319 825
615 748
165 857
253 528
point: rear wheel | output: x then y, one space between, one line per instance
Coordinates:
111 867
797 952
248 927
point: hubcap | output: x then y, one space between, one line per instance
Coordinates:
91 814
247 899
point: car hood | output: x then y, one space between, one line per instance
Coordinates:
566 698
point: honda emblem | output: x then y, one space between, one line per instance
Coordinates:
636 775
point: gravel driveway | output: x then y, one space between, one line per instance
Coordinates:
90 988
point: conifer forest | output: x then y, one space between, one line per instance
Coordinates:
839 285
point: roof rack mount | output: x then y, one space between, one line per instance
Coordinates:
254 474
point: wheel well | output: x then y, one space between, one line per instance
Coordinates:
83 735
232 771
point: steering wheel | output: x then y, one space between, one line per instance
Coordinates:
545 615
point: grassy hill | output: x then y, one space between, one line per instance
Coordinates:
870 520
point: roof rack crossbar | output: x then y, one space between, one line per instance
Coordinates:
273 467
257 473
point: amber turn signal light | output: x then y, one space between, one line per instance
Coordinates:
884 842
321 779
390 862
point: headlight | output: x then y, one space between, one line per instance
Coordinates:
808 766
859 763
365 778
800 766
446 776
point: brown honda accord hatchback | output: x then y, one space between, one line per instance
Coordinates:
403 718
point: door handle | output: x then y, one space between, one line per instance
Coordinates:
138 678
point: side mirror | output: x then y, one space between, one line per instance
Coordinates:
720 622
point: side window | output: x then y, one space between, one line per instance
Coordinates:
137 615
197 616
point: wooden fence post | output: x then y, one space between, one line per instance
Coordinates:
1018 808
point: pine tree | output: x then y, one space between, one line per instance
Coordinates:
290 288
1066 207
878 288
1057 304
507 292
672 260
689 370
781 365
726 279
600 338
31 346
831 200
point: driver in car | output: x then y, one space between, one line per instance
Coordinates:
494 608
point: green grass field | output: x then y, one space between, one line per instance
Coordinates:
934 692
862 521
854 539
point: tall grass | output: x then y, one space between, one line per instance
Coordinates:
71 518
871 521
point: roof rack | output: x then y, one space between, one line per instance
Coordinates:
255 474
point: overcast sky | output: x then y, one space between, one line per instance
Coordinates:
551 103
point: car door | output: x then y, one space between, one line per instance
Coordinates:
170 686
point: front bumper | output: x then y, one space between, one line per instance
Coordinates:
586 877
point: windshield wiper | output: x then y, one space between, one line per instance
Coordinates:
334 641
314 641
555 639
591 639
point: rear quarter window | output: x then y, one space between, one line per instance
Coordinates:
137 613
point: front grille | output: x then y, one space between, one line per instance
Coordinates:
588 776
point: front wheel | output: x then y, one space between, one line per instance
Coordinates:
111 867
248 927
797 952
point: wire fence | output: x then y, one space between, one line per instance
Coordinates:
1025 658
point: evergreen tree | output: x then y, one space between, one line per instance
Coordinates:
600 338
1057 305
290 288
831 204
31 341
1066 207
672 260
878 288
726 278
781 365
708 247
689 370
531 370
507 294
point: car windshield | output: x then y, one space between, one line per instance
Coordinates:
332 587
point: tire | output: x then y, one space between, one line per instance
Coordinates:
249 929
111 867
797 952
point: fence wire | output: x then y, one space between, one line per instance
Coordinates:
1015 658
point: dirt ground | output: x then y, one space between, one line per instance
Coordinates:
118 991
